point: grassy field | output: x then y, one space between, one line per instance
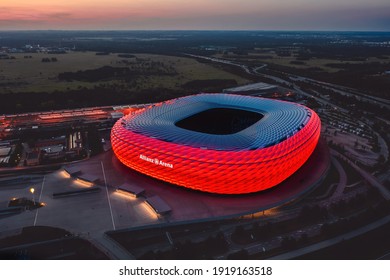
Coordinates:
32 75
269 56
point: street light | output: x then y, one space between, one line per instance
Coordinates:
32 190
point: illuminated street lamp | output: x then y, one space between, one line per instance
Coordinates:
32 190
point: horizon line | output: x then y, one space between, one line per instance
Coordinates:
191 30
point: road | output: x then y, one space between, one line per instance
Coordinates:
367 176
254 71
343 178
337 88
333 241
347 91
224 61
109 246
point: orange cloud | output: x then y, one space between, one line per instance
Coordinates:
85 9
175 14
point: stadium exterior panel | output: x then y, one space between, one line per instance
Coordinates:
237 154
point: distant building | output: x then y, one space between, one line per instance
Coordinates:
116 115
5 152
33 158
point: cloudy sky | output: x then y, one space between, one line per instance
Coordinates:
195 15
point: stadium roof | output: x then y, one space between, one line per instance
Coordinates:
280 120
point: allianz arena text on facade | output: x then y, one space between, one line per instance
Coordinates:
218 143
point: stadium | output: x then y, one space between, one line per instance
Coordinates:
218 143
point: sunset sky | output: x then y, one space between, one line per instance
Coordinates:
199 14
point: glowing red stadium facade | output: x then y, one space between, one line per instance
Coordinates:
253 158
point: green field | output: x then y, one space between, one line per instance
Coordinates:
32 75
269 56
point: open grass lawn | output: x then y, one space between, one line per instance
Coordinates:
32 75
269 56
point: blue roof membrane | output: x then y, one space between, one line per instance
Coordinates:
280 120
